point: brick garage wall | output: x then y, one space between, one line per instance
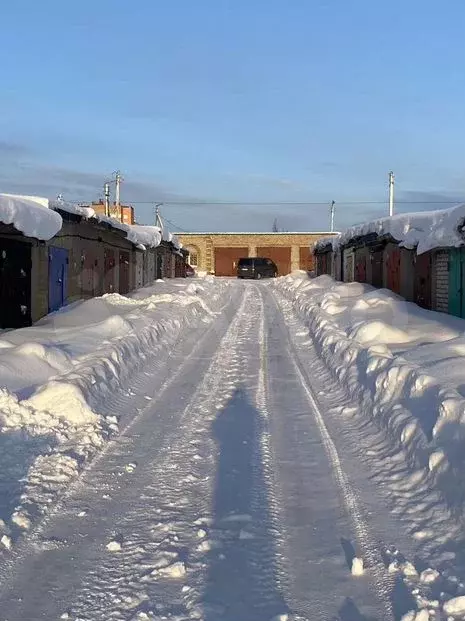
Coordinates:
440 283
252 241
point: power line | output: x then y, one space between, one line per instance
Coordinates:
175 225
276 203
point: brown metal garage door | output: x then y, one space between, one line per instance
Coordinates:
226 260
306 259
281 256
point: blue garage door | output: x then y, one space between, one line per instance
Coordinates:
57 277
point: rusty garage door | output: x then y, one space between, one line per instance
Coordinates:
306 259
393 269
422 286
281 256
226 260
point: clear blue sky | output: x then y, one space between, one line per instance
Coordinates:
235 100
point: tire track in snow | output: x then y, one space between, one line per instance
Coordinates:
32 541
171 542
266 455
372 554
178 510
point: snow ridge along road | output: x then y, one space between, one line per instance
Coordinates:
234 493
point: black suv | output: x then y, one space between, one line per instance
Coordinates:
256 267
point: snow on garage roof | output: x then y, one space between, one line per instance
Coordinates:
31 215
79 210
37 217
140 235
423 230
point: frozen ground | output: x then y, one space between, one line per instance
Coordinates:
227 451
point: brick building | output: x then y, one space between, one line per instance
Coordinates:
123 213
218 253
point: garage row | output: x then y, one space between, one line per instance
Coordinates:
86 258
433 280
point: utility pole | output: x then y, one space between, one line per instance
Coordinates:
118 180
158 220
391 193
331 220
106 192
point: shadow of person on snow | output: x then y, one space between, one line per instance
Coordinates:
349 551
242 577
401 599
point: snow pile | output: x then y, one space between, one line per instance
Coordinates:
148 236
402 368
79 210
170 237
402 364
423 230
31 215
141 236
58 379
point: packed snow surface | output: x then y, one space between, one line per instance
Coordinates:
290 449
424 230
30 215
56 376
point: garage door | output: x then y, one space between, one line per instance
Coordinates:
281 256
306 259
226 260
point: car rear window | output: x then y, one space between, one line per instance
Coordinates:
245 262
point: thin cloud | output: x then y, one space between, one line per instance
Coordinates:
12 149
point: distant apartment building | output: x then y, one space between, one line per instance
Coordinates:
123 213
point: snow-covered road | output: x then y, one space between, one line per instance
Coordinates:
240 489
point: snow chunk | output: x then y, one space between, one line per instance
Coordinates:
31 215
357 567
429 575
65 400
422 615
455 606
21 519
408 569
6 542
176 570
114 546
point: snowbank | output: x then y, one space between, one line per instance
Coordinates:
31 215
59 377
401 369
422 230
85 212
402 364
140 235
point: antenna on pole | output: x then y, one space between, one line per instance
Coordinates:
158 220
118 180
331 218
106 192
391 193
